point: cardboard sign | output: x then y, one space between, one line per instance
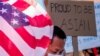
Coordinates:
76 18
87 42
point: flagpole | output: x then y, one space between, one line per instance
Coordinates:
75 45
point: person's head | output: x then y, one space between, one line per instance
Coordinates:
56 46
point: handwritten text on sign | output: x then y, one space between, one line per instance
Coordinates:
74 17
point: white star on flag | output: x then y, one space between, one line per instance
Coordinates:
15 14
3 10
14 22
26 20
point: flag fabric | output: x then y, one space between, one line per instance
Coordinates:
25 30
3 0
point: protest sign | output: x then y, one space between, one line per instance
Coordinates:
76 18
87 41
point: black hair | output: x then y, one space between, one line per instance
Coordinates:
59 32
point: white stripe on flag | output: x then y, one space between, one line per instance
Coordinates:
12 1
31 11
35 10
40 51
41 9
3 52
39 32
15 38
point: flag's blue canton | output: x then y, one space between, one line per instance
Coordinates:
0 0
14 17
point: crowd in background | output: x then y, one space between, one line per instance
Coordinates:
87 52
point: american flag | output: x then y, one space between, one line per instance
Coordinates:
25 30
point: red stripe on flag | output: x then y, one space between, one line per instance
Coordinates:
40 21
44 42
8 45
21 5
30 40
